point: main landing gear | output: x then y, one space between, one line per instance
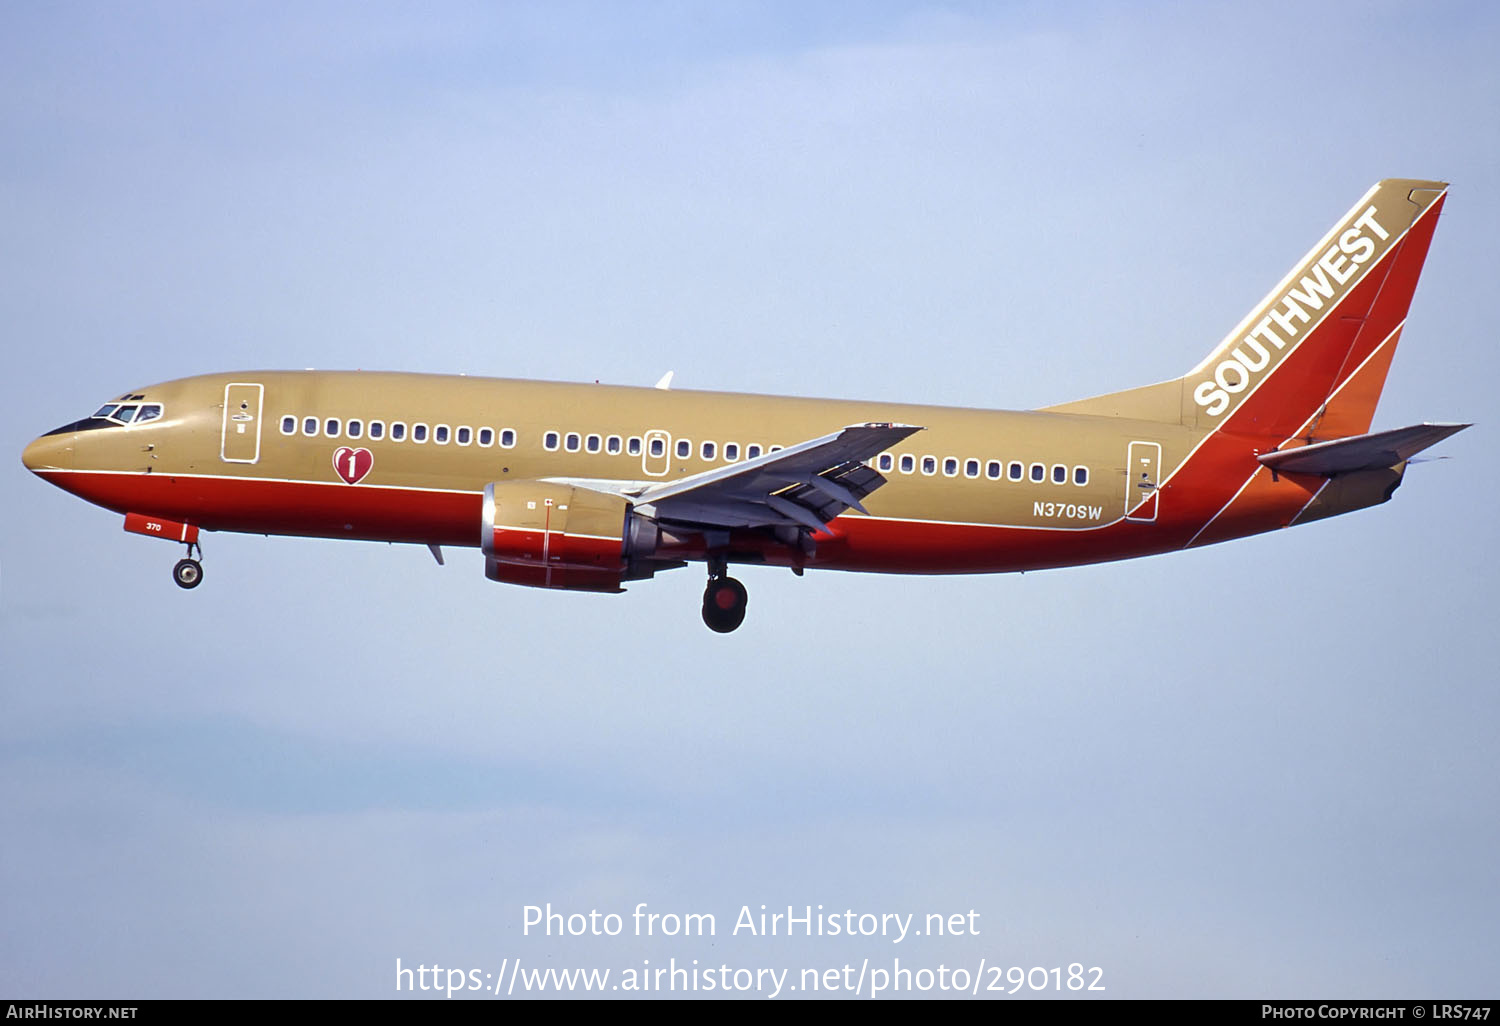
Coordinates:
724 599
188 573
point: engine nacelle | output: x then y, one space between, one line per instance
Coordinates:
557 536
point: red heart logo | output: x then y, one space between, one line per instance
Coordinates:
353 464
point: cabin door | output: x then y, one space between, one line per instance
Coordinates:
241 436
1142 469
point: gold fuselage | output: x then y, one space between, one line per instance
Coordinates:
1080 459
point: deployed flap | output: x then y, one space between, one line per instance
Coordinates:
1362 452
805 485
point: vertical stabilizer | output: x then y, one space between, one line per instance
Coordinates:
1310 359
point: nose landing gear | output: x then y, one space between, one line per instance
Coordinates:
188 573
724 599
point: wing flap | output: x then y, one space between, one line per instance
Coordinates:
1361 452
804 485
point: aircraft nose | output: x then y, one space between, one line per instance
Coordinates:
50 452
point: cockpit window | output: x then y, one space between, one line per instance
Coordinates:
127 413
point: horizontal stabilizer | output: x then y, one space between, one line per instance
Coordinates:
1362 452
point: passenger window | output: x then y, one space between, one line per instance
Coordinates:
1080 475
929 465
684 448
1059 474
331 427
612 445
549 441
908 464
419 433
289 425
398 432
732 451
508 438
573 442
752 452
775 448
658 447
971 468
594 443
310 426
1038 472
377 429
440 434
464 435
885 462
354 428
708 450
633 446
486 437
992 470
950 467
1016 472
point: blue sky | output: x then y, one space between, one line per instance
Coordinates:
1264 768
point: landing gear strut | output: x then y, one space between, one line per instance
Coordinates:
724 599
188 573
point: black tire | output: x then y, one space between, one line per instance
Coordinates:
724 603
188 573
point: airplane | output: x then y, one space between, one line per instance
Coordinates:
587 487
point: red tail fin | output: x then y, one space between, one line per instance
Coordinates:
1311 358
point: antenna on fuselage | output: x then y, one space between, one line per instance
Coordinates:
665 383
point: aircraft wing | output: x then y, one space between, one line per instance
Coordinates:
804 485
1361 452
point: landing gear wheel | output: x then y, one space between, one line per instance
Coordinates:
188 573
724 604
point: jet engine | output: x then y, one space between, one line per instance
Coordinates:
557 536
